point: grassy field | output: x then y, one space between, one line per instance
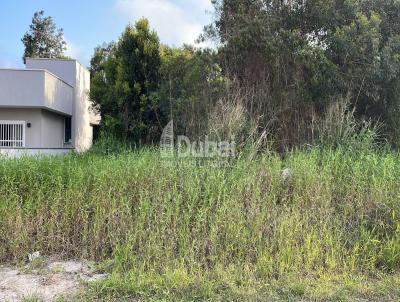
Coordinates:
168 231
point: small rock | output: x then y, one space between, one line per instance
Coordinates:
33 256
94 278
286 174
69 267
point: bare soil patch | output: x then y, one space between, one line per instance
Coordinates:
51 280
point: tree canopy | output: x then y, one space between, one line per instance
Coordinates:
302 55
43 40
125 78
279 68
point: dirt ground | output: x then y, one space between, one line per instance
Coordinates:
45 281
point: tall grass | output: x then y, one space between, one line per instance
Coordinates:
337 214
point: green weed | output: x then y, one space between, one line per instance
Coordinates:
165 230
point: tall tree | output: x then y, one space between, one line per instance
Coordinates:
43 39
126 80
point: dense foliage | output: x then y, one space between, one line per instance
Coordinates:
182 84
191 84
299 57
125 78
282 66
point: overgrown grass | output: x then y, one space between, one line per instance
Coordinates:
170 231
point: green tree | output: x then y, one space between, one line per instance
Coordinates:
297 57
125 81
43 40
103 70
191 83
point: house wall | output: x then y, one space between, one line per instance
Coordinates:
78 77
64 69
21 88
52 130
47 128
35 89
33 135
83 131
58 95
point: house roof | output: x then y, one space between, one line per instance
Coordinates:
56 59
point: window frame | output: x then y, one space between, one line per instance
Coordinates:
13 143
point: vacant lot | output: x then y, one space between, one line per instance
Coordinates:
328 230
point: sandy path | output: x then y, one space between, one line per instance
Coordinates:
54 280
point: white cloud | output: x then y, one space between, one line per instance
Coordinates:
73 51
176 23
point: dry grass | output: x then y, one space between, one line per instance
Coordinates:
202 231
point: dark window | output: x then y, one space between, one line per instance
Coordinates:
67 130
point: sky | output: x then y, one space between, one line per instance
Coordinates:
89 23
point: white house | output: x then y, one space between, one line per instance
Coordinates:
45 108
